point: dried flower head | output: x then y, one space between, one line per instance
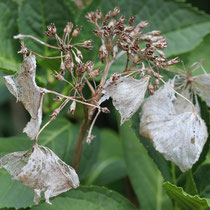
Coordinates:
41 169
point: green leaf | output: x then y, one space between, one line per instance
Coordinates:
110 165
202 178
102 196
143 173
183 26
184 200
199 53
8 25
190 186
88 198
13 193
35 16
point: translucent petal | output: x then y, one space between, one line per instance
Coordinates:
179 136
23 86
127 95
202 85
42 170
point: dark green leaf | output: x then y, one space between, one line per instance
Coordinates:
202 178
13 193
110 165
143 173
104 197
184 200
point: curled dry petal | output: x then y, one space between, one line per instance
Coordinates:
179 136
41 169
202 86
127 94
23 86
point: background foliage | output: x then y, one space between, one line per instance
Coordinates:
127 170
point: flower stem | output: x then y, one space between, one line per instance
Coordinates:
79 143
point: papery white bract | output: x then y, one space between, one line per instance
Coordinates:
202 86
23 86
41 169
179 136
127 95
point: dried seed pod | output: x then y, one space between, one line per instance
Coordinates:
69 64
23 86
72 107
127 95
41 169
180 137
76 31
132 20
116 11
68 28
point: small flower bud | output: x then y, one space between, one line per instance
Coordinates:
161 53
72 107
79 54
69 64
155 33
58 98
94 74
150 89
89 66
131 20
80 70
76 31
105 110
102 53
116 11
51 29
68 28
98 15
156 84
172 62
114 51
58 76
62 68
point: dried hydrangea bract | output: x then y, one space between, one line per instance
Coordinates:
127 94
42 170
202 86
23 86
180 137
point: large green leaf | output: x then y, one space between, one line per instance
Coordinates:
202 178
184 200
143 173
199 53
8 46
88 198
13 193
110 165
35 16
183 25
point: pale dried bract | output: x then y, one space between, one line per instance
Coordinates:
41 169
23 86
202 86
178 135
127 94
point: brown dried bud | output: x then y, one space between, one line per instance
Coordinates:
136 59
103 53
114 51
58 98
156 84
132 20
58 76
89 66
142 24
150 89
98 15
107 17
116 11
111 24
72 107
129 29
97 33
155 33
51 29
94 74
146 37
76 31
91 16
172 62
69 64
160 60
62 68
79 54
80 70
68 28
105 110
